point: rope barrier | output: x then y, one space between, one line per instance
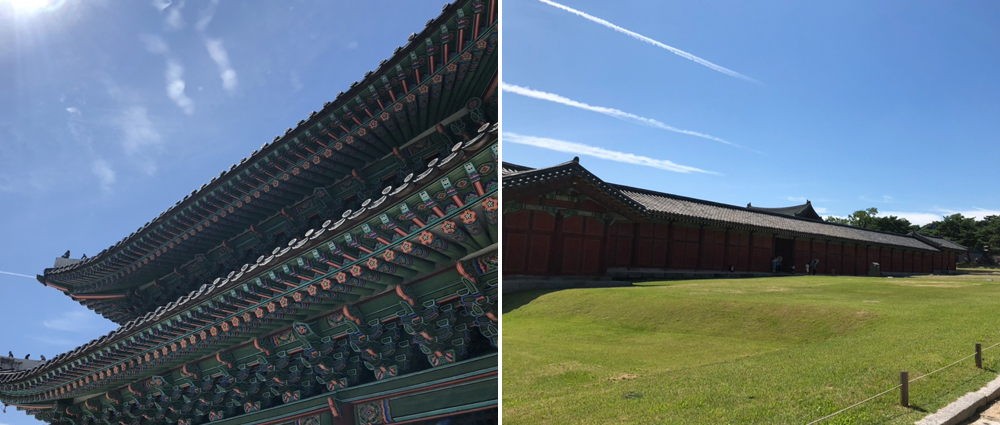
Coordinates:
855 405
955 363
896 387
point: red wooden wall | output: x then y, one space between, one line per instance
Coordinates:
538 243
738 250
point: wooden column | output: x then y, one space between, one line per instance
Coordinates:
670 244
699 262
725 250
555 250
603 262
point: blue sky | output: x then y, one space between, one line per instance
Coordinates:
112 111
850 104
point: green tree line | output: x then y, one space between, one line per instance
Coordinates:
965 231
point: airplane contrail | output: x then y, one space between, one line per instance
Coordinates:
581 149
552 97
17 274
641 37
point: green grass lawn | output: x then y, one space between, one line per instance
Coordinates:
771 350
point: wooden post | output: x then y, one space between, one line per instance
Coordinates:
904 389
979 355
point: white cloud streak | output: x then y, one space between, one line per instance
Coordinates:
581 149
174 73
552 97
17 274
161 4
221 58
641 37
175 86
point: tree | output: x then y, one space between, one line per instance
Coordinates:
838 220
860 218
894 224
957 228
868 219
989 232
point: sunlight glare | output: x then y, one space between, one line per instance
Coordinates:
28 7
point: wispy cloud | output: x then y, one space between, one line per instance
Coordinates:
174 20
885 199
175 86
174 72
77 127
154 44
160 4
140 138
552 97
581 149
53 341
918 218
205 15
218 53
641 37
17 274
104 173
71 321
296 81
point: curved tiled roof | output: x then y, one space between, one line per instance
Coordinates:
939 242
667 204
222 284
805 210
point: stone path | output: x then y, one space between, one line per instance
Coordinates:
991 416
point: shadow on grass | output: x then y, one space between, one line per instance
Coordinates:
941 398
894 417
517 300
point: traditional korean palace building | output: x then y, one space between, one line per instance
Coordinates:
345 273
565 221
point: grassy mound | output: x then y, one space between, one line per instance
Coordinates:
775 350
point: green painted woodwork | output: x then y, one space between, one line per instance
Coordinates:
445 400
155 331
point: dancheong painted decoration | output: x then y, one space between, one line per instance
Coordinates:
345 273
